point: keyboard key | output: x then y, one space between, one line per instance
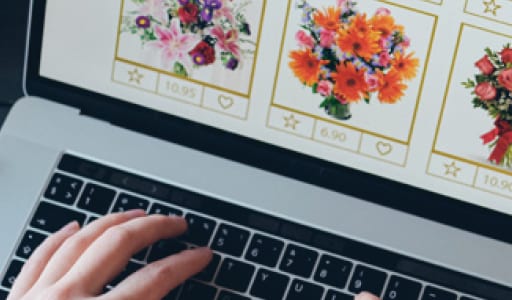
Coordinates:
334 295
173 295
269 285
432 293
333 271
200 230
126 202
165 248
50 218
299 261
128 270
224 295
230 240
96 199
301 290
12 272
158 209
193 290
31 240
209 272
141 255
367 279
402 289
264 250
63 189
235 275
3 295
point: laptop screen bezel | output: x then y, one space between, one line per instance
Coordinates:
399 196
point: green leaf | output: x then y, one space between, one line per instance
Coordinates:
315 88
180 69
469 84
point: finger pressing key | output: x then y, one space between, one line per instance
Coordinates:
109 254
71 250
156 280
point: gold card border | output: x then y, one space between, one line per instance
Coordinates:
156 93
445 100
205 84
471 185
432 2
312 138
466 11
420 90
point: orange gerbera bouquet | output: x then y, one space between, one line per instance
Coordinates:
346 56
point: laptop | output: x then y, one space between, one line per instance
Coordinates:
321 148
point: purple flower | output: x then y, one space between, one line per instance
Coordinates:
212 4
209 7
199 59
232 64
143 22
183 2
207 14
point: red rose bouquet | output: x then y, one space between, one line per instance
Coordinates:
193 33
347 57
492 90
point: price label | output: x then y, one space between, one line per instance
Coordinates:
337 136
180 89
495 182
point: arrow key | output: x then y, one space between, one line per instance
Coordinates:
63 189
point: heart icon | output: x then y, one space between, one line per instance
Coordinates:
226 102
384 148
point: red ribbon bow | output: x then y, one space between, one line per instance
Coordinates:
503 131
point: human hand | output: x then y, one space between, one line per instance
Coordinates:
77 264
366 296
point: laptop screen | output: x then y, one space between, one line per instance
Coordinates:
417 91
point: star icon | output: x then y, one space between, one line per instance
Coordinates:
452 169
491 7
135 76
291 122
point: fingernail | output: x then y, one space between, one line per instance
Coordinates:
204 250
366 296
71 227
136 213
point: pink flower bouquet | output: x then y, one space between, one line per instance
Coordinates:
193 33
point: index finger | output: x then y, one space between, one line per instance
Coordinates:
108 255
156 280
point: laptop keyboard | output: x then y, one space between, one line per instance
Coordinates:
257 256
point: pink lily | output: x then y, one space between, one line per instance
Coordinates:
226 12
174 44
227 41
155 8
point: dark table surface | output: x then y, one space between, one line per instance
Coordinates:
14 16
